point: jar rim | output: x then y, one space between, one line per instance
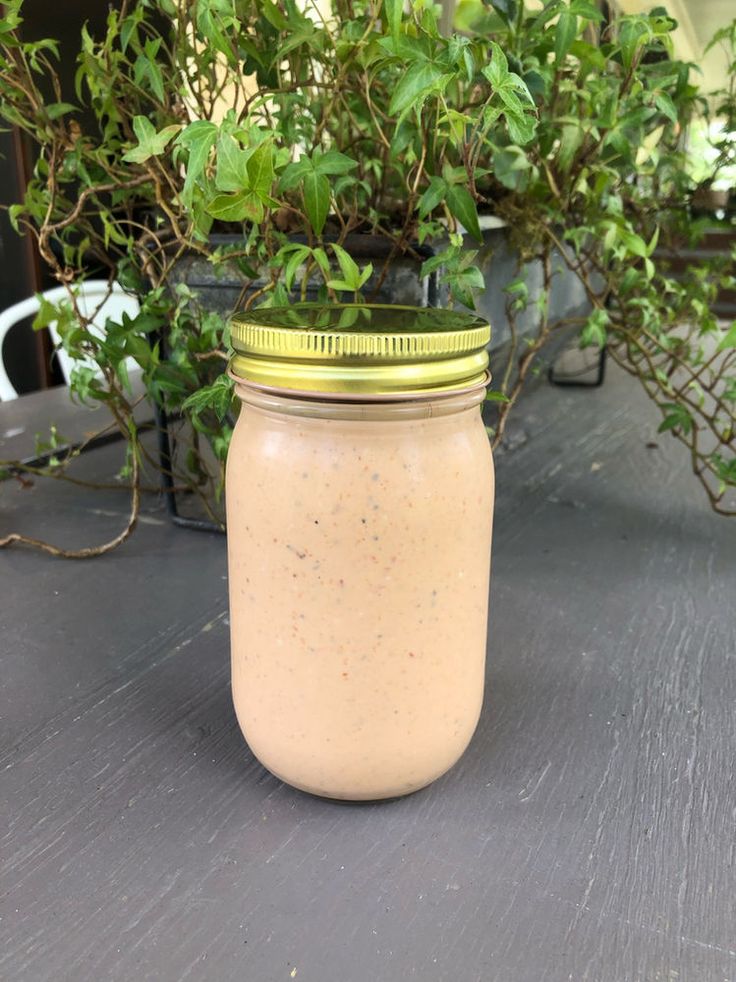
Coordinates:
426 405
369 398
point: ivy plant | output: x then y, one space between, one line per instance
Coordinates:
296 127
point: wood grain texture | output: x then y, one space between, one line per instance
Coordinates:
588 834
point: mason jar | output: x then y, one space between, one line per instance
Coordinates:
359 510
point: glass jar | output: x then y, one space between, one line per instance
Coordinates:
359 509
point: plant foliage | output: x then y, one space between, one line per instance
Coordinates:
296 127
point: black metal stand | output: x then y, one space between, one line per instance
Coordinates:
572 382
66 449
167 480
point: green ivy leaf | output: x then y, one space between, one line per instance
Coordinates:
517 83
729 392
393 10
415 84
332 162
587 10
518 291
521 127
570 139
273 15
295 260
138 348
150 143
725 469
633 242
217 397
14 213
129 29
232 165
156 79
198 138
630 34
510 99
462 207
210 22
316 200
365 274
595 329
433 196
506 8
145 323
320 257
304 34
565 33
630 280
676 417
352 277
241 206
146 68
666 106
440 259
294 173
497 70
348 266
56 109
463 284
729 339
260 168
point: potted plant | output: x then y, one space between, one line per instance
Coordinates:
600 182
286 153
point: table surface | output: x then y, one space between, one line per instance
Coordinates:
587 834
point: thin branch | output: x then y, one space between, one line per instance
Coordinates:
90 552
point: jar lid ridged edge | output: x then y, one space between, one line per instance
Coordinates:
251 338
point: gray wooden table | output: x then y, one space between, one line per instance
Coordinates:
587 834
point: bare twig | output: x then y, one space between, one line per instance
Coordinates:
89 552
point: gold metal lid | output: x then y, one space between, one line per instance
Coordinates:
373 349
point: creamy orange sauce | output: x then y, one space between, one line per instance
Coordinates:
359 557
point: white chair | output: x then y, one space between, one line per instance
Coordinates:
96 299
